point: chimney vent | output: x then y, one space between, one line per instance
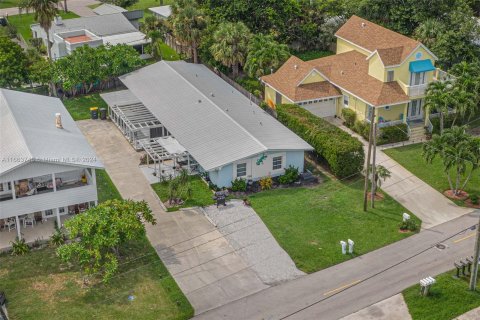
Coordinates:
364 24
58 121
295 67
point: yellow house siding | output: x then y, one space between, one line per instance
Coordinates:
393 114
285 100
269 95
355 104
402 72
344 46
313 77
376 68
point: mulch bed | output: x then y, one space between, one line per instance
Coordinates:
461 196
469 204
378 196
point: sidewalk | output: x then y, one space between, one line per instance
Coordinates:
414 194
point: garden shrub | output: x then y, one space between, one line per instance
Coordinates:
409 225
349 116
362 128
290 175
239 185
447 122
19 247
475 198
392 134
343 153
266 183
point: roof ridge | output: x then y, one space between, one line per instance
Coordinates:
2 90
214 104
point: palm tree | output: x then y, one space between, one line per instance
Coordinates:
459 153
187 22
439 98
231 44
465 104
264 55
428 32
44 13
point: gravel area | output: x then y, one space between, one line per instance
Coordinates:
248 235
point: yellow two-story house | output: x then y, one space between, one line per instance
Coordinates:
373 67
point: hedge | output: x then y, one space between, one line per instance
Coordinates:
343 153
349 116
392 134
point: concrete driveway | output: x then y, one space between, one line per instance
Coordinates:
80 7
206 267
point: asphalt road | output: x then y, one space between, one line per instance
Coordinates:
358 283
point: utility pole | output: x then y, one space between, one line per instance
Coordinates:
473 275
374 169
365 192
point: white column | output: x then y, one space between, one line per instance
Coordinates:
17 220
59 222
94 177
12 184
54 182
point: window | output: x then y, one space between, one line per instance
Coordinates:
1 187
345 100
417 78
277 163
48 212
387 107
61 210
390 75
241 170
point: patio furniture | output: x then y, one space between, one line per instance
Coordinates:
2 224
11 224
37 216
28 221
82 207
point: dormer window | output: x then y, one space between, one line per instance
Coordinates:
390 75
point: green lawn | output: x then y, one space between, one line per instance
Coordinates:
79 107
23 21
448 299
201 194
105 187
168 53
309 223
411 158
145 4
311 55
9 3
39 286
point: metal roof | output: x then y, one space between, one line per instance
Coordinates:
28 133
211 119
164 11
131 38
105 25
108 8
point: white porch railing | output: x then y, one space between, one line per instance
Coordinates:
389 123
418 90
440 75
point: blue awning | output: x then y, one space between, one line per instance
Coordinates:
421 66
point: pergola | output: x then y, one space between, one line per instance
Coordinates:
136 122
168 156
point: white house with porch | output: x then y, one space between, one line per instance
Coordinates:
47 168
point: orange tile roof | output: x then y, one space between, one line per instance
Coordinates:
76 39
294 70
392 47
347 71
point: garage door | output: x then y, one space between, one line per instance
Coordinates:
321 109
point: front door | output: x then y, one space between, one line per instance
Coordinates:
415 109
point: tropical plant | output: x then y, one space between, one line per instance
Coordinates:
187 23
58 237
381 174
231 45
290 175
266 183
44 12
464 103
350 116
459 153
19 247
439 98
408 225
264 55
239 184
179 188
100 232
13 64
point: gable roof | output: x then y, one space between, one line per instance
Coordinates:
212 120
286 79
28 133
392 47
108 8
104 25
164 11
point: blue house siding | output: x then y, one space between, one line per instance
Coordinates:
296 159
223 177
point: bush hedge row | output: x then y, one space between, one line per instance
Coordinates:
343 153
385 135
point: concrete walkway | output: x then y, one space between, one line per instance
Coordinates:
432 207
80 7
205 266
393 308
